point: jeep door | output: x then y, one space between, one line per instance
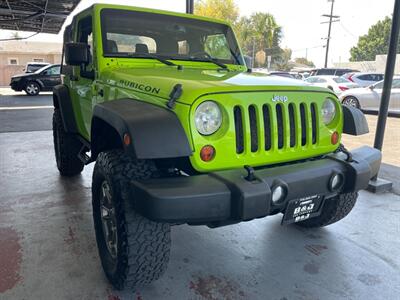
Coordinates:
83 83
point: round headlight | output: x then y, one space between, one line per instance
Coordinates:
208 118
328 111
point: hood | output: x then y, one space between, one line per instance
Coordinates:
160 81
22 75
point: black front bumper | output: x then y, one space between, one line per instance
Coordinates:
226 196
16 86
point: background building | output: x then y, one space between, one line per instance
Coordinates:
370 66
14 55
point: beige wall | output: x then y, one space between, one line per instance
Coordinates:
6 70
378 65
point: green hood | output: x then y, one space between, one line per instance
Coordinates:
159 81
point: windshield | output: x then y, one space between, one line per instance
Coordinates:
42 69
33 67
131 33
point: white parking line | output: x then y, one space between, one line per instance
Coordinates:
25 107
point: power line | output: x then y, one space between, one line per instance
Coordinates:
348 31
19 38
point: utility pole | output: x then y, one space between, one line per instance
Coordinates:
332 19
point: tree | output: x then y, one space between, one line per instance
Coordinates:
225 10
282 62
375 42
260 34
304 61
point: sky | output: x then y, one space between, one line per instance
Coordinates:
300 20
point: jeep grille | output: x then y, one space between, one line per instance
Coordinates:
294 124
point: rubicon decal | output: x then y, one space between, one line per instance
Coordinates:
139 86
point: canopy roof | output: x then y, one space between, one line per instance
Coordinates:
46 16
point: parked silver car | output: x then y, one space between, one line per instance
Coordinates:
364 79
370 97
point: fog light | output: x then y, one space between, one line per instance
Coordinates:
207 153
336 182
278 193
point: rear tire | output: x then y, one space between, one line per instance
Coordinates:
66 148
32 88
334 210
351 101
134 251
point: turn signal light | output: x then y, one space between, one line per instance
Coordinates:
335 138
207 153
127 139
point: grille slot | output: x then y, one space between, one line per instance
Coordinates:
292 125
237 112
303 124
253 128
279 121
267 127
314 122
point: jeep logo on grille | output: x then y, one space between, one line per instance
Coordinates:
278 98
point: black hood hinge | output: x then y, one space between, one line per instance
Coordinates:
175 94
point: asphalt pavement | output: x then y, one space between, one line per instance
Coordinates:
19 112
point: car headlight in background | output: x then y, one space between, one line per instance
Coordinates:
328 111
208 118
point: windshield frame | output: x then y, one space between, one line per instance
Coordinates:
236 55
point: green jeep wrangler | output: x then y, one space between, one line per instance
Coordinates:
182 132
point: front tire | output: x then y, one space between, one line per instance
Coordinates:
32 88
134 251
334 210
66 148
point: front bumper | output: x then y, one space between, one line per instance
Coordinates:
16 86
227 197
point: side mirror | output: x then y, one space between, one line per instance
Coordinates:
76 54
249 61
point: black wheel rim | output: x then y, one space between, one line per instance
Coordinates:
108 219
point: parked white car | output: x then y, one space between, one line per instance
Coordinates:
335 83
370 97
364 79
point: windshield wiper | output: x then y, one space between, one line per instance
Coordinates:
207 57
148 55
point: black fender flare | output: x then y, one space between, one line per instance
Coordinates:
62 101
354 121
155 132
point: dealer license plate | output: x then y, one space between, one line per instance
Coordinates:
302 209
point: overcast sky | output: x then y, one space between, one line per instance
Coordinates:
300 21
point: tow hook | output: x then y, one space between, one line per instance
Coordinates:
250 173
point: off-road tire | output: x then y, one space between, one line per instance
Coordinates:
143 246
334 210
32 88
66 148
